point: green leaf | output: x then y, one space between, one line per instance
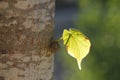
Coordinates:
78 45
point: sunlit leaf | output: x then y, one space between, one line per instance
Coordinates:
77 44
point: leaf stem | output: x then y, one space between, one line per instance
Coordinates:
58 40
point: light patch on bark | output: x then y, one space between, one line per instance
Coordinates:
39 1
39 16
14 22
28 3
35 58
18 56
9 63
22 37
36 29
9 13
10 23
3 66
26 59
41 19
28 23
51 5
53 14
3 5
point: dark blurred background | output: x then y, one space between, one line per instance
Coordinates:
100 21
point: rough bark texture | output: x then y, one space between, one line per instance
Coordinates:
26 28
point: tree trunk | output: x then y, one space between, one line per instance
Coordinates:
26 28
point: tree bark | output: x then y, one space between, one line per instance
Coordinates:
26 30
